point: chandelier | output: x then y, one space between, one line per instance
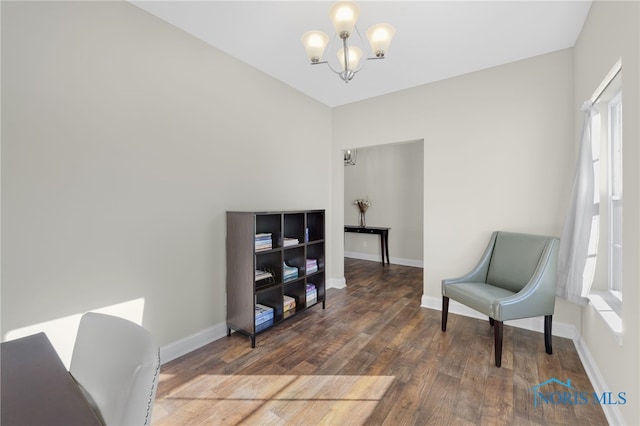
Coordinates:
350 157
344 15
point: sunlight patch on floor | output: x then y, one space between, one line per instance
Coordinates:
272 399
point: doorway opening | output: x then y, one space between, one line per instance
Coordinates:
390 179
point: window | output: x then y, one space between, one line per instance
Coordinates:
607 289
614 194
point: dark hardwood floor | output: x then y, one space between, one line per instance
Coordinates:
374 356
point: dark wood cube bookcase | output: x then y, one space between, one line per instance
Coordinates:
244 292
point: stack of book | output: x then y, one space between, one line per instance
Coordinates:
288 306
261 275
264 316
312 266
312 294
289 272
290 242
264 242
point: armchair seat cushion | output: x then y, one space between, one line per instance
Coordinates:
477 295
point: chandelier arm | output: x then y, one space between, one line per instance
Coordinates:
344 75
328 65
327 62
363 41
345 49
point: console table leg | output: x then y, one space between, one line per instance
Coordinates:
386 246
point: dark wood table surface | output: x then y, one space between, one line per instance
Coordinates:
37 389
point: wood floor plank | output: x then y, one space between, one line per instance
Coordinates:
404 406
473 381
373 357
497 404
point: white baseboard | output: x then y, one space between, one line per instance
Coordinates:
612 412
377 258
336 283
191 343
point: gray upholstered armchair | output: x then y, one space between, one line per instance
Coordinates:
515 278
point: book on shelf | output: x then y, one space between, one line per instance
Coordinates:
263 320
264 317
263 313
264 325
263 241
312 266
312 294
290 242
288 303
262 275
312 299
263 310
289 272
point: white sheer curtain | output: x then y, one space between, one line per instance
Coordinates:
574 280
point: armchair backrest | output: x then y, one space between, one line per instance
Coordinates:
515 258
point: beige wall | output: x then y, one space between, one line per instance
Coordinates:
498 154
391 177
124 141
612 32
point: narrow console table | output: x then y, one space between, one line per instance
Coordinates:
383 232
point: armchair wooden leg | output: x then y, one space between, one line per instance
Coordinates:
547 333
497 328
491 321
445 311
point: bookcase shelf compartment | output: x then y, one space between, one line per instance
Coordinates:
287 245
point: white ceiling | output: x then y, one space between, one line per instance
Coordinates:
434 39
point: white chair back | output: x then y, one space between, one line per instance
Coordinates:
117 362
